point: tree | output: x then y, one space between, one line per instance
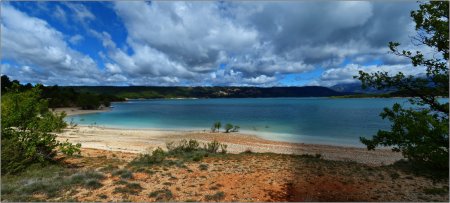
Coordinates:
216 126
6 83
27 127
228 127
235 129
419 132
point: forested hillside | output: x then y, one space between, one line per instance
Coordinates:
149 92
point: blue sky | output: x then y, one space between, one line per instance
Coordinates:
202 43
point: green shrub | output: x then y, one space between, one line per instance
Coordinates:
26 127
84 176
420 130
163 194
68 148
123 173
228 127
183 146
216 126
197 157
158 156
235 129
93 183
203 167
129 188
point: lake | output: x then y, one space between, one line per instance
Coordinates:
301 120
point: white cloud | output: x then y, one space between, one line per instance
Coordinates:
60 14
75 39
32 42
191 34
80 12
214 43
345 74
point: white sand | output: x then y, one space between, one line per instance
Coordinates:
143 140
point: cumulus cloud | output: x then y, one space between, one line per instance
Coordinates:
80 13
192 32
209 43
75 39
345 74
32 42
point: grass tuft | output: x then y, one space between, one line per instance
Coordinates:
216 197
123 173
163 194
129 188
203 167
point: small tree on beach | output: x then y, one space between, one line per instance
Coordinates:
420 132
235 129
217 125
228 127
213 128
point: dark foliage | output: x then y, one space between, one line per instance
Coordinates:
57 96
421 132
153 92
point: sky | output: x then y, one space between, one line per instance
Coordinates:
203 43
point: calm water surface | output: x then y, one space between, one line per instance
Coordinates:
303 120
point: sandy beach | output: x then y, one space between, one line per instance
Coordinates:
144 141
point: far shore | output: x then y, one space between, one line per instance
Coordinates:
146 140
71 111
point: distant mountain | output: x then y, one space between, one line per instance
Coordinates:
356 88
147 92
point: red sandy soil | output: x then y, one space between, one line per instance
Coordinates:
257 177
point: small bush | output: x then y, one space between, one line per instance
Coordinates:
235 129
103 196
216 126
69 149
183 146
203 167
158 156
123 173
83 177
129 188
163 194
93 183
228 127
212 147
197 157
216 197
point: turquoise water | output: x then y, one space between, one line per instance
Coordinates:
302 120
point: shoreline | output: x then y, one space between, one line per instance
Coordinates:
144 141
136 140
73 111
